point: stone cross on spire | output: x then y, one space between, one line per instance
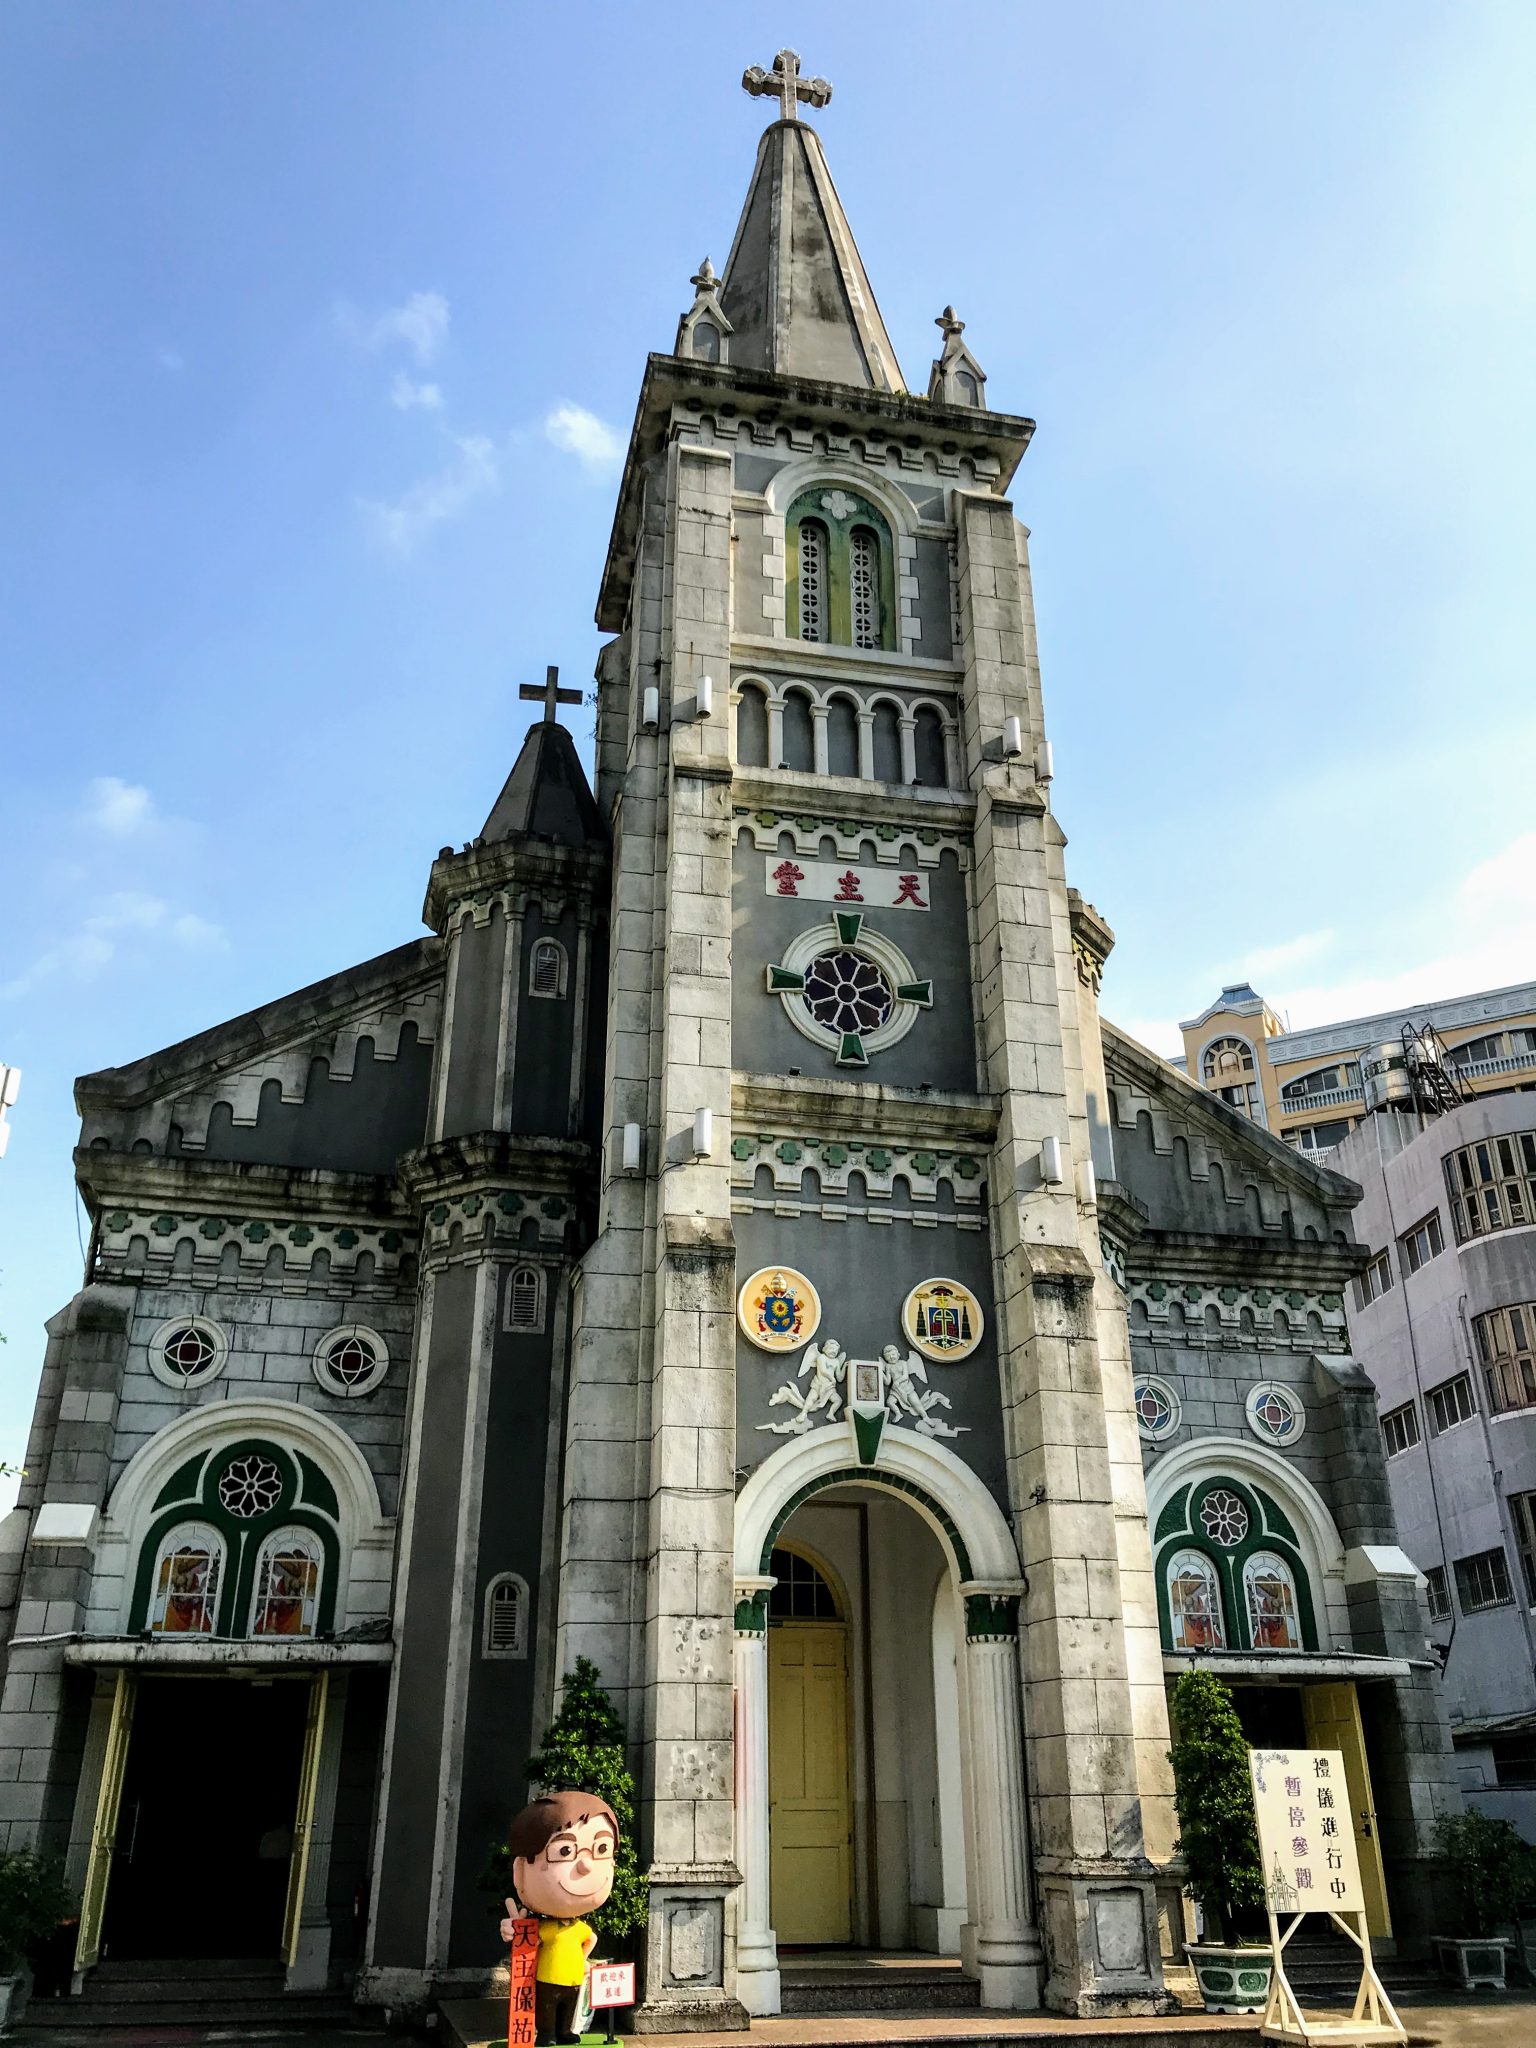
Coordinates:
785 83
550 692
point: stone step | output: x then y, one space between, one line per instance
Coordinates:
90 2016
205 1991
878 1990
194 1969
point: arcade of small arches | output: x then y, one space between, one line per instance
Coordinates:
835 732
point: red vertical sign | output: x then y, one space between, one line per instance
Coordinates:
522 2028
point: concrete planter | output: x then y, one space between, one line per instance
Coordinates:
1231 1979
1472 1963
13 1998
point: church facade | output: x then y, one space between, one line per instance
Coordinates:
730 1246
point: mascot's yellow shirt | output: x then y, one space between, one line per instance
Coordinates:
562 1951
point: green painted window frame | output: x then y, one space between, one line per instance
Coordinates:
302 1503
1178 1528
839 591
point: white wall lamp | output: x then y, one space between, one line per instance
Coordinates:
1013 738
704 697
1050 1162
1045 766
1087 1184
650 708
629 1155
703 1133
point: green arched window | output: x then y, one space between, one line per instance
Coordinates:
243 1542
1229 1572
840 570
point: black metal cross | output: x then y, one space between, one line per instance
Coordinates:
549 693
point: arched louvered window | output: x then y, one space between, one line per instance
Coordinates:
525 1299
186 1581
506 1617
546 973
1194 1602
813 580
288 1584
1269 1587
864 586
706 341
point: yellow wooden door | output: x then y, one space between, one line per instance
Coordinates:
810 1818
109 1796
1333 1722
304 1817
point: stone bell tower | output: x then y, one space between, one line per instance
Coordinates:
823 670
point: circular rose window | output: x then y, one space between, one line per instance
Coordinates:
187 1351
845 991
250 1486
351 1361
1224 1518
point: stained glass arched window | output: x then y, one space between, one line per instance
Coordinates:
186 1581
1269 1588
1194 1602
287 1584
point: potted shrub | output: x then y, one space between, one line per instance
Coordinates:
1219 1841
1492 1872
33 1900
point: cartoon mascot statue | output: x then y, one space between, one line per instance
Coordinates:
562 1850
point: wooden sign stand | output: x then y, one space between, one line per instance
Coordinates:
1373 2019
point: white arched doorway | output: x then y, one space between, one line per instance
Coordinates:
979 1572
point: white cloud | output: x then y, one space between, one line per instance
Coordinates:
420 324
123 809
407 395
83 954
598 447
1266 962
170 359
405 522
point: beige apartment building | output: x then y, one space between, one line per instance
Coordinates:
1307 1087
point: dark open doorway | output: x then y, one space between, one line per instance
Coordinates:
205 1828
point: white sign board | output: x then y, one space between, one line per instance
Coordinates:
610 1984
1306 1833
834 881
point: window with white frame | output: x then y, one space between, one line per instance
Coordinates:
1225 1067
1483 1581
1400 1429
1437 1593
1489 1047
1506 1343
1522 1507
287 1593
1450 1403
506 1617
185 1594
188 1351
864 586
525 1300
813 580
1375 1281
1493 1184
1194 1602
351 1361
1424 1242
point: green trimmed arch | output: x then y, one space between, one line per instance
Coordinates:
887 1482
841 513
1269 1528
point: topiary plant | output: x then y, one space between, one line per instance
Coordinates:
583 1751
1218 1834
1492 1868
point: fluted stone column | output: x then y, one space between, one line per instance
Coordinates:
1008 1952
757 1949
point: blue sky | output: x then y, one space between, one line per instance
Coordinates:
321 332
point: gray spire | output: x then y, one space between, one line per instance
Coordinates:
795 289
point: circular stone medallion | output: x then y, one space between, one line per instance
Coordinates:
943 1319
778 1309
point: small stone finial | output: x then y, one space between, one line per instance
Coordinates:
957 378
785 84
704 331
951 327
704 278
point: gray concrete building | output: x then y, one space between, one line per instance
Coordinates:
1444 1321
729 1246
